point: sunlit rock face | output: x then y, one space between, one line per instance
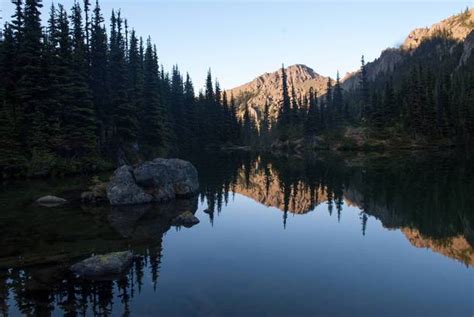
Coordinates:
268 88
456 247
458 26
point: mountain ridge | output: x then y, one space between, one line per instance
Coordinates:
267 87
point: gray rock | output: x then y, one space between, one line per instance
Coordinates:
174 177
186 219
123 190
104 267
160 180
51 201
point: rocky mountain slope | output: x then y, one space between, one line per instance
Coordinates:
268 88
459 28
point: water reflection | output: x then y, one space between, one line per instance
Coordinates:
36 277
427 197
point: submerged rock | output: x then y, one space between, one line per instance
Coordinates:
51 201
148 222
159 180
107 266
186 219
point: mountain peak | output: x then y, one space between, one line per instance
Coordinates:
302 72
267 89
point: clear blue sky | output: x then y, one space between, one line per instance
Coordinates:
240 40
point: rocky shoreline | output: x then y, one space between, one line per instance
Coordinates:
166 188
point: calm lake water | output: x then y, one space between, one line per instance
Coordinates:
370 235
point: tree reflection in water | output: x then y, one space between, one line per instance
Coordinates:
428 197
430 193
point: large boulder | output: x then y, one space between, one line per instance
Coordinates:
107 266
123 190
176 177
160 180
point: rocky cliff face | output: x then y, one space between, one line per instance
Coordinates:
457 26
268 88
468 48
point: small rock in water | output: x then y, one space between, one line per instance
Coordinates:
51 201
104 267
186 219
208 211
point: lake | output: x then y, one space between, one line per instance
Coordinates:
326 235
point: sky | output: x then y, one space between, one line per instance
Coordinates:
240 40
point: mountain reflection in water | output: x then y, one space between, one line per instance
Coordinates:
427 197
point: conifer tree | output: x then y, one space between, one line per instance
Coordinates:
227 119
32 106
364 90
99 83
236 133
135 74
389 102
337 103
18 20
264 130
329 106
9 71
12 160
284 118
153 134
294 106
87 29
54 78
248 127
79 116
312 121
190 112
125 127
